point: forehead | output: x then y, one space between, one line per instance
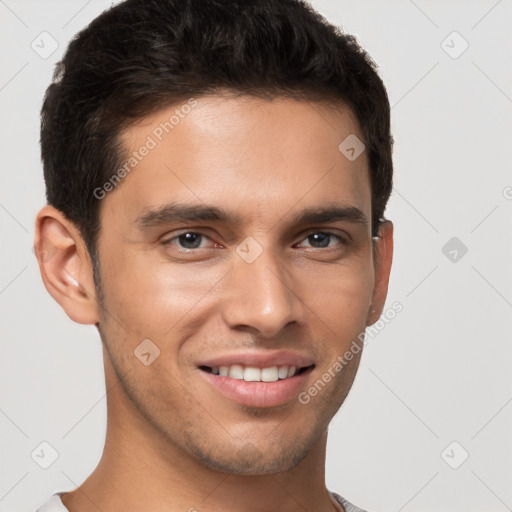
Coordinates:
265 157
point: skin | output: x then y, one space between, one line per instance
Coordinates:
173 442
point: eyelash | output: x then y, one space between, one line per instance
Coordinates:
168 242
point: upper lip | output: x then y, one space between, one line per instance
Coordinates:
259 359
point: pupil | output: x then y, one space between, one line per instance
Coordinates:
322 238
190 240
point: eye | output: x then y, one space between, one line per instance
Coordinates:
322 239
188 241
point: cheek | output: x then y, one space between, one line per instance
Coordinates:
154 298
340 295
151 298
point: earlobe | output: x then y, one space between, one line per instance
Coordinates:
371 316
384 258
65 265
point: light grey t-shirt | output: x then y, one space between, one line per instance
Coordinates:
54 504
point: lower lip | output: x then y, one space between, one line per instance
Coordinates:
259 394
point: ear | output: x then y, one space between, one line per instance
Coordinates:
65 265
383 260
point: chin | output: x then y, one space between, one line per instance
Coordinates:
250 459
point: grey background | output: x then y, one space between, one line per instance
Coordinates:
439 372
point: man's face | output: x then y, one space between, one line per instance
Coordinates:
260 289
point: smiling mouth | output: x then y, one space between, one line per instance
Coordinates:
256 374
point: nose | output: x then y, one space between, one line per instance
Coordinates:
259 295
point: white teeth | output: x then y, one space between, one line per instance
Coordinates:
270 374
254 374
283 372
236 372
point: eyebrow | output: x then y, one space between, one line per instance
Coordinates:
177 212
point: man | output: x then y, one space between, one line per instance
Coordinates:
217 173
